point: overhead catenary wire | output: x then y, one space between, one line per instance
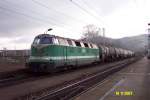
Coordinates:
52 21
59 12
25 15
32 17
92 8
86 11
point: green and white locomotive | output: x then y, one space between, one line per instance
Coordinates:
49 52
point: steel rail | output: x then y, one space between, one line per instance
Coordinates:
67 92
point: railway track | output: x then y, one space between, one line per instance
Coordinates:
10 73
11 78
70 90
20 76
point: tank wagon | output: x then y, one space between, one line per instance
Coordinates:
50 52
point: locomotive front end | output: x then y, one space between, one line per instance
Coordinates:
40 59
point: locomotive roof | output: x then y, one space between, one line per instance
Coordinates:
49 35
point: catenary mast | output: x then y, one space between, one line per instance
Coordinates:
148 52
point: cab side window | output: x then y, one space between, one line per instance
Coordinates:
91 45
86 45
70 42
77 44
63 42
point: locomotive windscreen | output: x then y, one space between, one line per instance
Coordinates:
43 40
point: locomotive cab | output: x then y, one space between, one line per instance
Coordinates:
40 53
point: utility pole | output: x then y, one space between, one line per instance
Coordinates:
103 31
148 50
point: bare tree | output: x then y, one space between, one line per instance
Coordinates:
93 34
90 31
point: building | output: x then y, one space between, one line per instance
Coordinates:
13 53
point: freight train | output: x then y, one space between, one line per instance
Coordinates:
50 52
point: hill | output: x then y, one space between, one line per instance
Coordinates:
135 43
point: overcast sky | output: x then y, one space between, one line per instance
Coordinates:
22 20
